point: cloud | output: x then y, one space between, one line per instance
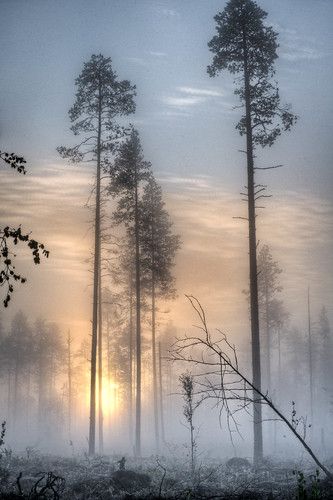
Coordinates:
292 53
137 60
191 96
170 12
213 261
200 92
180 102
157 54
294 47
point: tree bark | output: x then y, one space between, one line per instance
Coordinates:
153 332
92 423
69 361
268 339
256 369
161 391
310 362
138 324
100 364
130 373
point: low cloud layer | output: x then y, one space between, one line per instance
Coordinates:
212 263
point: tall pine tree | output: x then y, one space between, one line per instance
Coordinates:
159 247
100 98
129 172
244 45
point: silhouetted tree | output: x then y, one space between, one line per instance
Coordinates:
325 359
129 171
100 98
268 287
18 352
246 46
159 247
187 385
69 381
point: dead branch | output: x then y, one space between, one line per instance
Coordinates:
222 355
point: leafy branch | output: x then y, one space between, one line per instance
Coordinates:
8 273
15 161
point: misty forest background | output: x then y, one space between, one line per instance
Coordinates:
98 354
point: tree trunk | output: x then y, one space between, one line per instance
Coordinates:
268 345
278 399
15 393
108 361
69 361
161 390
130 373
9 395
27 415
100 365
256 369
153 339
92 423
138 325
310 362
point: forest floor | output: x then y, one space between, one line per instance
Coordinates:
38 476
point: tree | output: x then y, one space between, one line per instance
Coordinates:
187 385
100 98
326 355
129 171
50 356
8 273
69 382
268 287
222 380
245 46
159 247
17 352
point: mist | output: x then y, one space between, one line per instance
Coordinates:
166 250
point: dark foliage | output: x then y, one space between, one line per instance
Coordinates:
245 43
99 99
8 273
15 161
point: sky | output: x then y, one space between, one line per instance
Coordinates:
187 124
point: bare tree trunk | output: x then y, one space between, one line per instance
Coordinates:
27 409
153 331
278 399
15 394
130 374
256 369
108 359
92 423
268 340
9 395
41 392
310 362
69 375
161 390
100 366
138 325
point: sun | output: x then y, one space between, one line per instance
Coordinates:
110 397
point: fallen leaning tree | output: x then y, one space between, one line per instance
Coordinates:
222 378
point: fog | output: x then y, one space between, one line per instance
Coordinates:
166 249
